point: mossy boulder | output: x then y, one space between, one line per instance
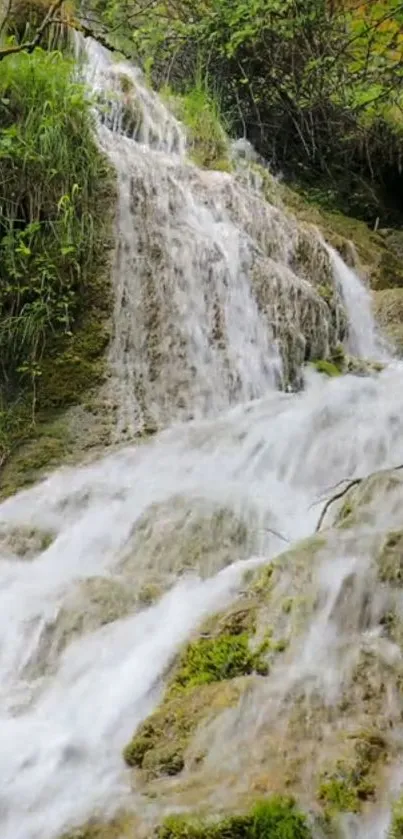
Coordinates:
159 746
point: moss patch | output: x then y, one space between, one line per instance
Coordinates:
214 659
160 743
273 818
326 367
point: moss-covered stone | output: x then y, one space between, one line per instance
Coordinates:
273 818
160 743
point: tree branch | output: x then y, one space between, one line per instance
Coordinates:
342 492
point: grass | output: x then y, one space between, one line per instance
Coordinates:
200 111
56 195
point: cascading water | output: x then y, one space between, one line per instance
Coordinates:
178 521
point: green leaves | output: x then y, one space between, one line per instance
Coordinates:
50 172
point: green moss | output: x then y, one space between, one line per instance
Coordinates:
338 796
159 745
214 659
273 818
326 367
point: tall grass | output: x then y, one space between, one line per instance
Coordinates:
56 192
51 183
199 109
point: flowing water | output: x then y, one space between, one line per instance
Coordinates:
179 520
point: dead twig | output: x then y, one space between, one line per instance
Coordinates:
345 490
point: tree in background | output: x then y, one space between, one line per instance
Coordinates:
316 85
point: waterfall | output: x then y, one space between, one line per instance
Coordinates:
215 306
219 294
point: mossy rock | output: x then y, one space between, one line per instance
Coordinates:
159 746
49 446
273 818
73 368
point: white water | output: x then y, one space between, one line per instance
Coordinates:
69 702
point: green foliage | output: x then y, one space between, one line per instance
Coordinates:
316 86
273 818
200 111
214 659
55 193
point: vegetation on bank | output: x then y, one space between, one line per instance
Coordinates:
316 85
56 204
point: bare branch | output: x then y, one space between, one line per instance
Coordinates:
345 490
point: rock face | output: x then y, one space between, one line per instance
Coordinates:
315 706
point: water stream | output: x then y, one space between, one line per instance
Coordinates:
82 657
